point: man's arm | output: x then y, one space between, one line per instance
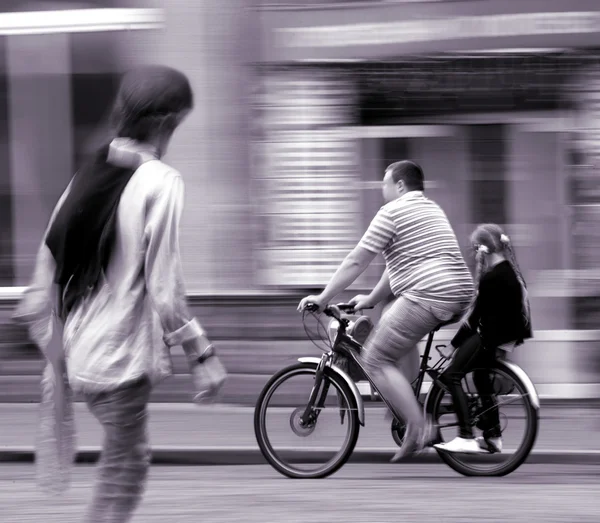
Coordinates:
374 241
351 268
382 290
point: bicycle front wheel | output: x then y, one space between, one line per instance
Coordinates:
514 410
315 450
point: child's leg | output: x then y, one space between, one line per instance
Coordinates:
491 419
465 358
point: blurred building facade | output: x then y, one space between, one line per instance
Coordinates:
496 100
300 106
299 110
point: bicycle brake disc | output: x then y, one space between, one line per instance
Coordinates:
301 430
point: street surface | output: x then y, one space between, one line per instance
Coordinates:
356 494
172 425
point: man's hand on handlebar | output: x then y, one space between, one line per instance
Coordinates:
361 302
316 302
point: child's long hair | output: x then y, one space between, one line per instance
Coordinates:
490 238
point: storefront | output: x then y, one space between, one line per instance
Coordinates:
284 154
59 70
298 112
494 99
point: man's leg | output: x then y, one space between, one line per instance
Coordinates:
403 325
409 363
123 466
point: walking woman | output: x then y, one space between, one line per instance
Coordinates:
108 272
497 321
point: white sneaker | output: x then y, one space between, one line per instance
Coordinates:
493 445
461 445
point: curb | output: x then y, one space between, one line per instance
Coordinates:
253 456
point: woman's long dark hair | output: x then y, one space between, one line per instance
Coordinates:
81 238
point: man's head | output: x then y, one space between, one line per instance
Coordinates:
400 178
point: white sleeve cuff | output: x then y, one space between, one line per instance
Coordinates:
190 331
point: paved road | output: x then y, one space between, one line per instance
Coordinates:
357 494
561 428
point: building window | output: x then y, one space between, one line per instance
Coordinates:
487 150
59 72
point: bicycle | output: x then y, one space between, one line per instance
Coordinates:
326 373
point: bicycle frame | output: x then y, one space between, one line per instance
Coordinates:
327 372
346 346
349 349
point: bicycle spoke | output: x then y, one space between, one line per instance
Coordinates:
500 404
306 447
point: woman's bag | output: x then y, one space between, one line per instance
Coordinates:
56 442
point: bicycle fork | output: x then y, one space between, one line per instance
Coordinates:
316 399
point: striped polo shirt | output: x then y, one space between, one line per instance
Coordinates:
420 249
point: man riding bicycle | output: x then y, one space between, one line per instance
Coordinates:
425 271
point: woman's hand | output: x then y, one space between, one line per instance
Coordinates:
361 301
208 375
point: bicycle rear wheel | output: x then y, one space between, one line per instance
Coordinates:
285 444
519 421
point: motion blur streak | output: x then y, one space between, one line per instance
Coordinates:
300 107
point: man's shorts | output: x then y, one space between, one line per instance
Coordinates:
402 326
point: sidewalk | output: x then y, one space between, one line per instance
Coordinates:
221 434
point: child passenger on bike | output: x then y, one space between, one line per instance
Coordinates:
497 320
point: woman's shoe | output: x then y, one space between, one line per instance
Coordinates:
461 446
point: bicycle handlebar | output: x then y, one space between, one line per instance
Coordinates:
334 311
